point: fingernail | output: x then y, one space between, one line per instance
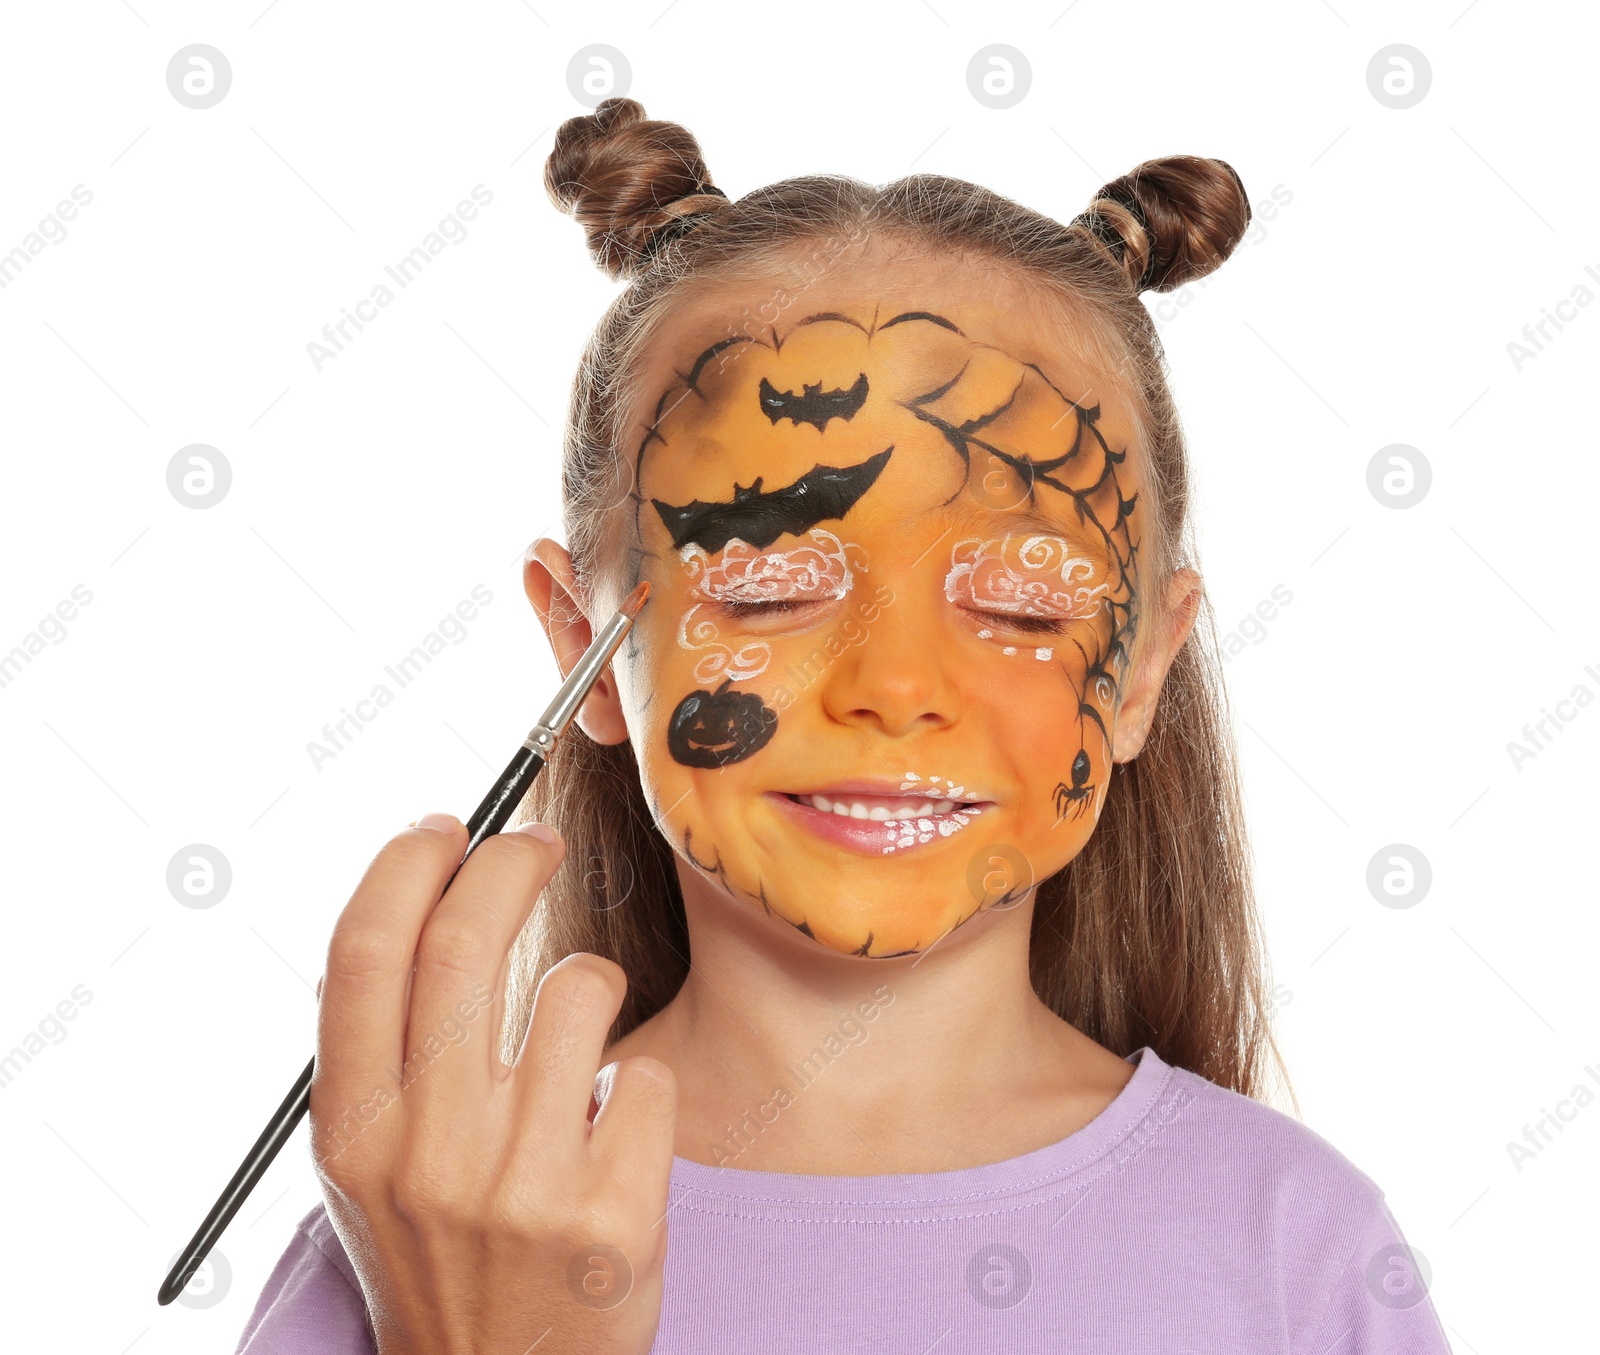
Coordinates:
439 823
543 831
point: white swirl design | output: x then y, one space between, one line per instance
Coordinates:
744 574
722 660
995 575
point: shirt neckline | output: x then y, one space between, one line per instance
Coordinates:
1054 1161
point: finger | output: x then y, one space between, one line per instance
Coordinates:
460 955
361 1015
553 1081
636 1128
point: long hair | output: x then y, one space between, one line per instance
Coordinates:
1149 936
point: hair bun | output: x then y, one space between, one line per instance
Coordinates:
1170 221
626 178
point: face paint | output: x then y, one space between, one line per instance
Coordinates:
821 494
1024 576
714 729
876 432
1075 798
742 575
1042 653
1088 473
724 661
744 578
813 405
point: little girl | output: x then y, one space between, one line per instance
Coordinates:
897 982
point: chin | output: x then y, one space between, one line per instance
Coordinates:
884 920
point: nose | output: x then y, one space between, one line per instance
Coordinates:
899 678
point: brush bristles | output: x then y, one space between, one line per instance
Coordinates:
635 600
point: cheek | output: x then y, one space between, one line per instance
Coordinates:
1048 650
717 728
1056 718
714 723
1031 706
716 656
699 710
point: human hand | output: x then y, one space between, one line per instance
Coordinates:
481 1209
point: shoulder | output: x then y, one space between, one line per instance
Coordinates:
1265 1153
1316 1226
312 1299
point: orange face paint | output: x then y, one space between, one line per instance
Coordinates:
894 553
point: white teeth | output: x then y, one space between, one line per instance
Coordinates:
905 810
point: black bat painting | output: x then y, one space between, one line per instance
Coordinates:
820 495
813 405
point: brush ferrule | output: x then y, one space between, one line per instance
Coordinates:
553 723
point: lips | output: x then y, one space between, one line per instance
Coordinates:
877 807
878 823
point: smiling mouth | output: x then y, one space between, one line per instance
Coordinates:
878 825
882 808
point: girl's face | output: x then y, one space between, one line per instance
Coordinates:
892 542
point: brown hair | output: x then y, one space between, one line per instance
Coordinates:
1149 935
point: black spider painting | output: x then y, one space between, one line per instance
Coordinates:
1075 799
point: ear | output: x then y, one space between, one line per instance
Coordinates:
550 583
1154 655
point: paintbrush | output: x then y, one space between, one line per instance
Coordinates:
489 818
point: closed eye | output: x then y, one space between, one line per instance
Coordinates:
1030 625
763 607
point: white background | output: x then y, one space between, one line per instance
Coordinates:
367 499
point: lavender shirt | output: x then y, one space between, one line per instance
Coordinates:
1184 1218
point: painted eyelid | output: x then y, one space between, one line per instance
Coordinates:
755 606
1000 607
1026 587
1033 608
1003 614
740 572
770 588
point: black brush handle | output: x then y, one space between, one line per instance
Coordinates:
487 820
